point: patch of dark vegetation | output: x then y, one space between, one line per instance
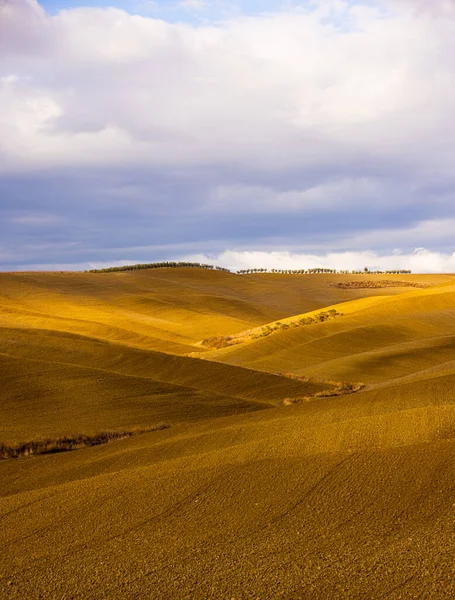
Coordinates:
69 443
337 388
158 265
384 283
325 315
224 341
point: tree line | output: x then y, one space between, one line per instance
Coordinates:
321 270
196 265
158 265
286 271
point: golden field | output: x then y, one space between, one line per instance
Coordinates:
270 480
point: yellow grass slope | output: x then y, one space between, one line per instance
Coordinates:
165 309
55 384
347 497
344 497
377 339
81 341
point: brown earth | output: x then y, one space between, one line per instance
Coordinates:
245 495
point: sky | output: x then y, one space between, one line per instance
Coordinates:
277 134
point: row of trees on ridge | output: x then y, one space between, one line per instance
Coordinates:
173 264
158 265
321 270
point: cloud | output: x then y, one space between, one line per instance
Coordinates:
323 126
419 261
432 231
322 197
419 8
173 94
193 4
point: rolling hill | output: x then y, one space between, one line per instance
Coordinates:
265 484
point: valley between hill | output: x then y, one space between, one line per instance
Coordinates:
257 477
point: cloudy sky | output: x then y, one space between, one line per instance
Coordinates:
246 132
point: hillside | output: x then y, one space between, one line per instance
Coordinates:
375 339
264 485
167 309
59 384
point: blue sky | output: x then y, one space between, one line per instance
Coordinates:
294 137
176 10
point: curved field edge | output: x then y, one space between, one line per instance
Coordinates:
377 329
54 384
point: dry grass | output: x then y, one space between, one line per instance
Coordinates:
347 496
262 332
340 388
222 341
69 443
378 338
55 384
382 283
167 310
331 388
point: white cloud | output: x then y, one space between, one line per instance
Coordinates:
435 8
336 112
431 231
192 5
277 91
419 261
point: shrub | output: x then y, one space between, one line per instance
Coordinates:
68 443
